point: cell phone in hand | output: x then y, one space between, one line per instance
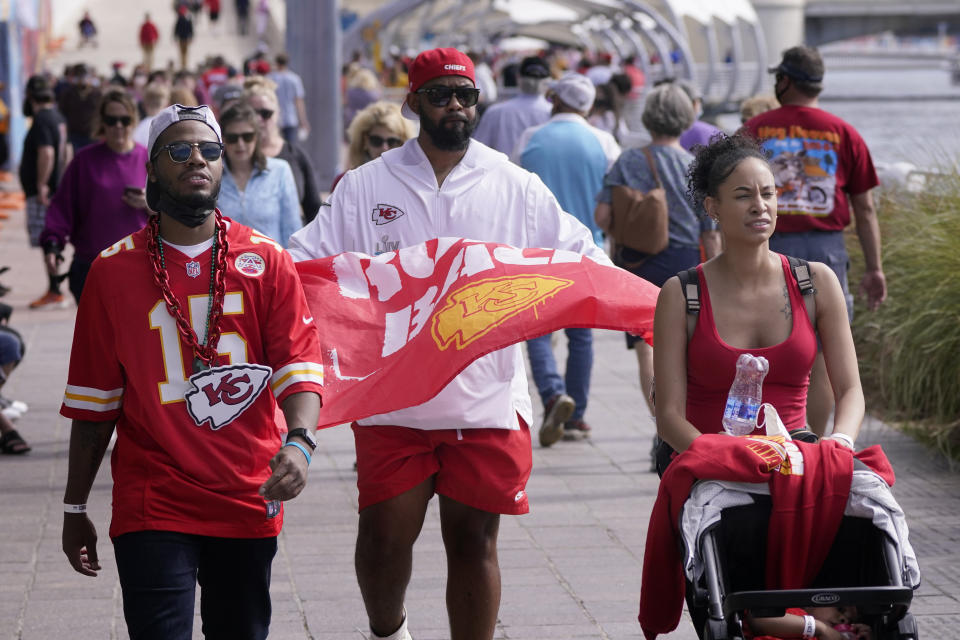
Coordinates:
133 191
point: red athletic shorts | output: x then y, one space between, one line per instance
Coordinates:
486 469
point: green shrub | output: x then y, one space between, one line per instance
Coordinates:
909 349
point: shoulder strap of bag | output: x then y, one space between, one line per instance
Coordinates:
690 285
801 273
653 166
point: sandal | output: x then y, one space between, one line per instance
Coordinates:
12 444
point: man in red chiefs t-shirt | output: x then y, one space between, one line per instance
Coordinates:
189 333
822 167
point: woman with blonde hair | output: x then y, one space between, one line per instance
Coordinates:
362 90
260 93
377 128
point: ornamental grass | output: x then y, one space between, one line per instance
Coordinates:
909 349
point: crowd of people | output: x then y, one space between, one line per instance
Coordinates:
174 179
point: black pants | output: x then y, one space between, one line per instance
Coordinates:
77 277
159 571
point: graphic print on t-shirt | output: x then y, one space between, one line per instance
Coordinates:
804 165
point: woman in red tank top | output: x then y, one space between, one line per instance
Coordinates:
750 303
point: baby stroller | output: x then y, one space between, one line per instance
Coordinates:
870 565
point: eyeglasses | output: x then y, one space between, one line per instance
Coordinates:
440 96
112 121
266 114
377 141
246 136
180 152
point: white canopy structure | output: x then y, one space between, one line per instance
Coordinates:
718 45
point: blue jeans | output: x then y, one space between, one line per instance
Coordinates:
659 268
159 571
579 363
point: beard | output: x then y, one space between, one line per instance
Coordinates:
190 209
449 133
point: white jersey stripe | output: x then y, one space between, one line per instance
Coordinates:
93 394
79 402
296 368
293 377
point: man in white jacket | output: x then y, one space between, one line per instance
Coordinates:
471 442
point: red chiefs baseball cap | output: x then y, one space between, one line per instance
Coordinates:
434 64
439 62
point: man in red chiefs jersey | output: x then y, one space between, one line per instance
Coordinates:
189 333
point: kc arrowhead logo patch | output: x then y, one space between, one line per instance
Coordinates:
472 311
384 213
221 394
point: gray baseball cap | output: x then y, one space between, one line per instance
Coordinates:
178 113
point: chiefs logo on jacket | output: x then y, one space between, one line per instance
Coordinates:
384 213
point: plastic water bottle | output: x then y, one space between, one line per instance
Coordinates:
746 393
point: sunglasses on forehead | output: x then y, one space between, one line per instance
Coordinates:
180 152
266 114
246 136
112 121
440 96
377 141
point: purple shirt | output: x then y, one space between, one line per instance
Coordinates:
698 133
88 208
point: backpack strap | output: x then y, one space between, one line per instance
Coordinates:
690 285
801 273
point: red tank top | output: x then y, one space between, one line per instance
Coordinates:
712 365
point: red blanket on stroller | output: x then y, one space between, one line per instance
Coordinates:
809 485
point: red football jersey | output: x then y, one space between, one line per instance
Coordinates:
129 364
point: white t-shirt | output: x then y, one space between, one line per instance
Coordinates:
485 197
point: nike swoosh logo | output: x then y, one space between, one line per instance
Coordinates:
307 320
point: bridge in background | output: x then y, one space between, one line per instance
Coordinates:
832 20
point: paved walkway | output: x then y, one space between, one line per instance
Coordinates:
571 568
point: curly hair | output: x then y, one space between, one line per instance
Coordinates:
378 114
715 162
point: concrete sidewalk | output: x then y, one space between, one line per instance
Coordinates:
571 568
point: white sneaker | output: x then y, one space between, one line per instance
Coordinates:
399 634
19 405
11 414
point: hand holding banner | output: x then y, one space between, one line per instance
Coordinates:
446 302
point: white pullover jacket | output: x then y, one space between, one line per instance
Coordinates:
394 202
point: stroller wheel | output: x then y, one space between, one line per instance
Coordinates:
907 628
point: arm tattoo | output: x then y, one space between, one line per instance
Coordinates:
786 310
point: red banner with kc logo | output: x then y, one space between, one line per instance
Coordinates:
397 327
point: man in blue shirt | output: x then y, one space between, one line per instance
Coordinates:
571 157
503 122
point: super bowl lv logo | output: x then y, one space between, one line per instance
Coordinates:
220 394
384 213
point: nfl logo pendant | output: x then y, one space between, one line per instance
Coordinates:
193 268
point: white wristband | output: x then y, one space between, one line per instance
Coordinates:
843 438
809 627
74 508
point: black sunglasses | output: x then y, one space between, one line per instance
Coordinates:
180 152
233 138
440 96
112 121
377 141
266 114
